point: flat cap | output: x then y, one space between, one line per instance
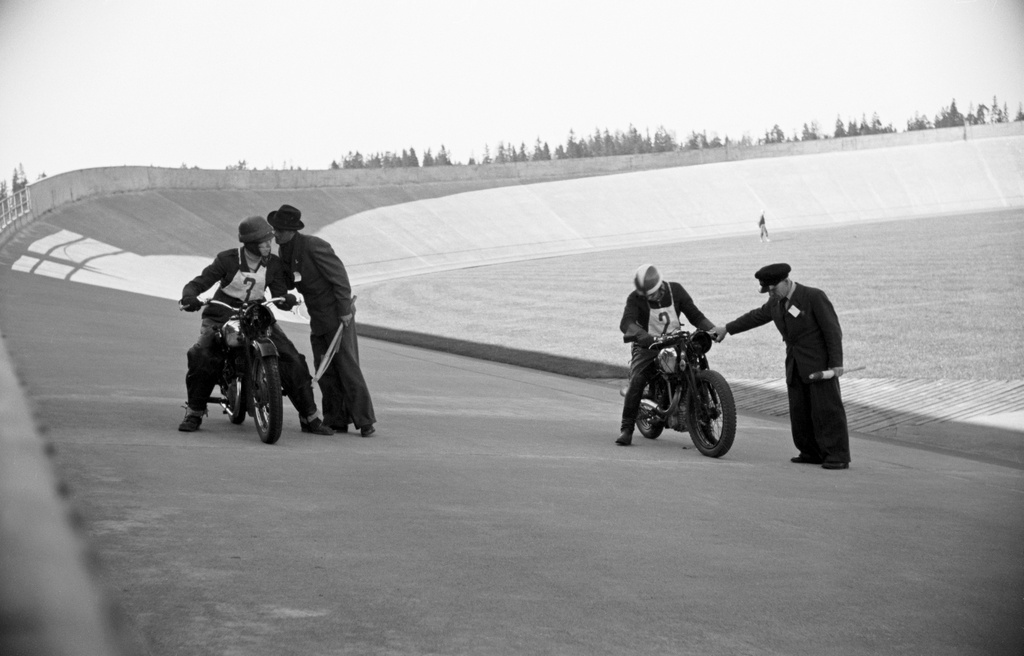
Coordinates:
772 274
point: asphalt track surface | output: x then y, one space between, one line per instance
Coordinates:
492 514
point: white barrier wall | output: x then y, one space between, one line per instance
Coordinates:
515 221
50 193
552 218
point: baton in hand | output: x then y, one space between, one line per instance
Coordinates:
329 355
829 373
332 349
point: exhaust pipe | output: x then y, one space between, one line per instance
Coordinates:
653 408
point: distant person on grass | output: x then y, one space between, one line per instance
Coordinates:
764 229
244 274
652 308
814 343
320 276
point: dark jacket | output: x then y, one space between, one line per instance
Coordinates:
222 271
814 340
636 316
319 275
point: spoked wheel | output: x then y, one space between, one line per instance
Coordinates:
711 415
237 395
266 398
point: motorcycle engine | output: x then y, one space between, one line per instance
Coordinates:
232 333
668 361
677 420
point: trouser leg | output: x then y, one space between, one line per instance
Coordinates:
829 418
350 379
204 367
641 370
800 421
332 396
295 379
634 394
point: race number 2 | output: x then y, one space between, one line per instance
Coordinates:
249 284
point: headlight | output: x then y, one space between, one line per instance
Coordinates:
701 343
232 333
257 318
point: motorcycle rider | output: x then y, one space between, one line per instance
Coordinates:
653 308
244 274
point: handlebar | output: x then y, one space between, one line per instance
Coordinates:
679 336
266 301
232 307
668 339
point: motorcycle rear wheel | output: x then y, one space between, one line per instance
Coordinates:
649 425
266 402
711 414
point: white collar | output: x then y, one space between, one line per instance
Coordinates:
247 256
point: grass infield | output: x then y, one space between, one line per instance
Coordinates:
938 297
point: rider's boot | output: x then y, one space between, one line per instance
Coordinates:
315 425
192 420
626 434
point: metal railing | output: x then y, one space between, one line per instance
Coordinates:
14 207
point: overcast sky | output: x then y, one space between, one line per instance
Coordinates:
88 83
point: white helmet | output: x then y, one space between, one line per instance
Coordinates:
647 279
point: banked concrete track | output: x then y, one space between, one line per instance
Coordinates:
390 231
491 515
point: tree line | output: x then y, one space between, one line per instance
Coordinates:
604 143
632 142
950 117
18 182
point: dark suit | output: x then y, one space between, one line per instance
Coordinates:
814 342
319 275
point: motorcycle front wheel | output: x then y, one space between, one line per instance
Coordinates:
236 392
711 414
266 398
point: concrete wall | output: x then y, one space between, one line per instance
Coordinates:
388 228
55 191
50 603
630 209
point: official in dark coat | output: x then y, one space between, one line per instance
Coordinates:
320 276
244 275
814 343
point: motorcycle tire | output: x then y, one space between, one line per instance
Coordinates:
649 425
711 414
237 395
266 401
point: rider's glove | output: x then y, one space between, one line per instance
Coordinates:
645 340
190 303
288 303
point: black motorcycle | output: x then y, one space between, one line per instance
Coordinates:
687 396
250 381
